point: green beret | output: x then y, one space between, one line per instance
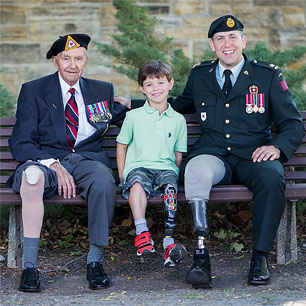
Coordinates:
224 24
68 42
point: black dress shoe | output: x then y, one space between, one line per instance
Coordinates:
199 276
29 280
259 271
96 276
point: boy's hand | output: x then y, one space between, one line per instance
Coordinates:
124 101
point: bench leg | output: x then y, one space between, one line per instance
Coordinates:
15 238
286 235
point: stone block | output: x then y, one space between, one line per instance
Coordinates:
12 14
170 21
60 1
189 7
13 32
293 16
108 15
248 15
220 10
20 53
275 3
158 9
198 21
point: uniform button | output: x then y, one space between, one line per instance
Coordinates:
227 105
203 103
227 135
227 121
229 148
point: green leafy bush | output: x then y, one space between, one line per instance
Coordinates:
7 102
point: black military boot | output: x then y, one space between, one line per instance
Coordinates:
199 276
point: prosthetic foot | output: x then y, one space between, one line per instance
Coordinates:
199 276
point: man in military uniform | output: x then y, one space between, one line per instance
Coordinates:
236 100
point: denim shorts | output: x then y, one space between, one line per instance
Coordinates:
153 181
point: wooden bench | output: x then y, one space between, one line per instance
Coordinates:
286 237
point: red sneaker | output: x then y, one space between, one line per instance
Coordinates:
144 244
174 253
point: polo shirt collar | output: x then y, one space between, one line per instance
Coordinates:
168 112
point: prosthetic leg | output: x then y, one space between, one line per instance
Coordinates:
170 210
174 252
200 273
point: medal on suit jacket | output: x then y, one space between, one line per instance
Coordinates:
98 112
254 102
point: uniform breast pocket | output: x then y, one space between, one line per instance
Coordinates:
206 111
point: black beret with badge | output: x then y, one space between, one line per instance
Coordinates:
224 24
68 42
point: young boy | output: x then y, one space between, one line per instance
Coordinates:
149 153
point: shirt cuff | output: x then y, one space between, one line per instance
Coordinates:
48 162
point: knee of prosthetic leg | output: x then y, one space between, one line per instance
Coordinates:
199 217
32 174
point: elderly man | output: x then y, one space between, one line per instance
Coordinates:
236 100
61 120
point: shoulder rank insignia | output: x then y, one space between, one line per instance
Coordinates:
196 65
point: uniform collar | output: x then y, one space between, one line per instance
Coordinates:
235 70
168 112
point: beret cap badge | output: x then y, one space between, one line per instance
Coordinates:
71 44
230 22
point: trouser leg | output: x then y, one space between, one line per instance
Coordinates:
96 185
266 181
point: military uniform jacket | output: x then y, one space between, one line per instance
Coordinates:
40 130
226 126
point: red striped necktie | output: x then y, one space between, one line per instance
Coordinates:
72 119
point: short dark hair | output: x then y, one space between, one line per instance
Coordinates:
156 69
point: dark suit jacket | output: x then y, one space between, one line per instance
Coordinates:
39 132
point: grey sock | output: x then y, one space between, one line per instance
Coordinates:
141 226
167 241
95 254
30 252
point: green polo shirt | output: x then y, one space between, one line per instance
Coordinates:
153 138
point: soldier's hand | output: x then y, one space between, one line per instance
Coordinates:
265 153
124 101
65 181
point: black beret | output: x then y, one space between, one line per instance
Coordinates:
225 23
68 42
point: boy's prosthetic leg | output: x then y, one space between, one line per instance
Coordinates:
174 252
200 273
170 210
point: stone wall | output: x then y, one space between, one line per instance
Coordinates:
28 27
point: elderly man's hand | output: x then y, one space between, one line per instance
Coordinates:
265 153
65 181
